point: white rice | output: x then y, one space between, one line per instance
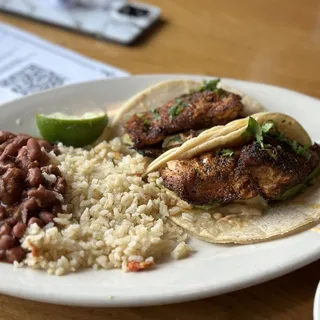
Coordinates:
113 217
49 177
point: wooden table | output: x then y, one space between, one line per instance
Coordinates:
270 41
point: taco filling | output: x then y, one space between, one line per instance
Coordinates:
272 167
182 118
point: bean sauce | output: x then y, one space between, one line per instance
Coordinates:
26 197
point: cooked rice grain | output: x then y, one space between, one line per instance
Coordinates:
113 217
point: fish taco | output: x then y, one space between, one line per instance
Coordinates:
249 181
169 113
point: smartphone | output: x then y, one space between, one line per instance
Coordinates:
114 20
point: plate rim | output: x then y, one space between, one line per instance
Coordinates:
316 304
126 301
190 295
144 76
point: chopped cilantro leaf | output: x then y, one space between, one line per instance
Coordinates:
272 153
209 85
176 109
156 114
281 136
140 115
225 152
221 92
301 150
254 130
146 123
267 126
294 145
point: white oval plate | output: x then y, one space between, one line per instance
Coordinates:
213 269
316 304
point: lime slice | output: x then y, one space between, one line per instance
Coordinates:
72 130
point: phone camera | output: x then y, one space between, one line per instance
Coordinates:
133 11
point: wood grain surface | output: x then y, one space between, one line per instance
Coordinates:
276 42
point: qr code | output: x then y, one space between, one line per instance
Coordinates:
31 79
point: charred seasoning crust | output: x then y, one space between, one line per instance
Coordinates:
248 172
198 110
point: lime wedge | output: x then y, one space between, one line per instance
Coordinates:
72 130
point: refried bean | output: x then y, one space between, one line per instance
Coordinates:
26 197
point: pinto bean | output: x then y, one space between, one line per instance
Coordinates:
4 167
44 160
45 144
28 207
34 177
34 150
6 242
57 209
35 220
10 150
61 185
21 140
13 148
25 196
5 229
19 230
11 186
22 159
15 254
11 221
5 136
4 145
46 217
45 198
51 170
3 213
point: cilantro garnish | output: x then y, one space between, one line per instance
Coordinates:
156 114
209 85
146 123
176 109
270 128
267 126
301 150
281 136
225 152
254 130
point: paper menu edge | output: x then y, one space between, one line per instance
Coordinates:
9 29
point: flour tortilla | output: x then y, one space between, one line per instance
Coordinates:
230 135
244 227
159 94
276 222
